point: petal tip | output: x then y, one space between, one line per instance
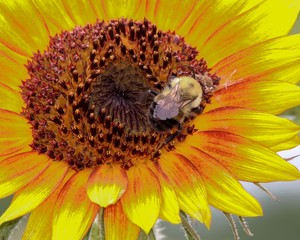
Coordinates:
258 211
295 175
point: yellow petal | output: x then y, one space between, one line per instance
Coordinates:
73 213
10 99
17 171
166 14
170 205
39 225
117 9
204 18
188 185
106 185
35 192
263 128
117 226
223 191
26 149
9 62
169 210
55 15
266 20
277 59
291 143
15 133
142 199
246 160
81 12
266 96
22 27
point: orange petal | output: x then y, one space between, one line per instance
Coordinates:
10 99
223 191
107 184
263 128
35 192
266 20
188 185
15 133
245 159
277 59
22 27
142 199
39 225
27 149
257 95
74 213
19 170
117 226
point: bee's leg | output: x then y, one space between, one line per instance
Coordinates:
170 138
152 92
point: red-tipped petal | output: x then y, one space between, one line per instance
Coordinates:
264 128
224 192
188 185
117 226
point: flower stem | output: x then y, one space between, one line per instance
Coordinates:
101 224
144 236
190 232
97 230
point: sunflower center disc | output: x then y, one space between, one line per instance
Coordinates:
89 94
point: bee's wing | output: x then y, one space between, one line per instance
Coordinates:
168 107
186 101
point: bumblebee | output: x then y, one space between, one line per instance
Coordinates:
174 103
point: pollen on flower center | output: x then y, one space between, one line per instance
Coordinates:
89 93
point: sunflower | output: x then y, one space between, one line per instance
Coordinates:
83 84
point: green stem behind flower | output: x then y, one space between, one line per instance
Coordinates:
190 233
